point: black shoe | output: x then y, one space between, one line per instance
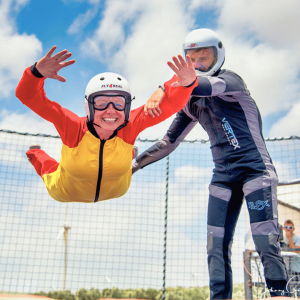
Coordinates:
31 147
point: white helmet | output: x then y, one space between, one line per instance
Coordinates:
100 85
205 38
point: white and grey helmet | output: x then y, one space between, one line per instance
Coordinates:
105 83
205 38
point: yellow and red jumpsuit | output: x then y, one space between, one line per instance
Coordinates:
90 169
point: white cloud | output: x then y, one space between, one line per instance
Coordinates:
289 194
259 66
93 2
82 20
20 3
274 23
138 45
158 131
194 5
110 33
17 50
261 41
27 122
289 124
188 173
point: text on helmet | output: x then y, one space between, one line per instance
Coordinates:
111 86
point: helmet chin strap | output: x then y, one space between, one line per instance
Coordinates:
120 127
96 125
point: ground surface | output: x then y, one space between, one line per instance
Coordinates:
21 296
35 297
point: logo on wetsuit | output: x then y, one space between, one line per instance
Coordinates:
259 205
230 134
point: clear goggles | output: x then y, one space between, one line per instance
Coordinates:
204 58
102 102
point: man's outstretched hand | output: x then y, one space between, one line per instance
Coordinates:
49 66
185 71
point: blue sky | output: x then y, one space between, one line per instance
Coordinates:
136 38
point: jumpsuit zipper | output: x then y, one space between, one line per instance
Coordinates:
100 170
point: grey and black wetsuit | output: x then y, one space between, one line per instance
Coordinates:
243 168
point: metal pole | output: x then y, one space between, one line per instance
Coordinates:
65 265
66 228
247 277
165 232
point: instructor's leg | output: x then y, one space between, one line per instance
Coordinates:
223 211
261 200
234 209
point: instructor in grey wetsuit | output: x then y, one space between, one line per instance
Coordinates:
222 104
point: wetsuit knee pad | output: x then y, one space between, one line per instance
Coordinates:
219 248
266 243
214 245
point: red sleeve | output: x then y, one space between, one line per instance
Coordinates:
30 91
175 98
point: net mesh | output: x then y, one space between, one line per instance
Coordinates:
126 243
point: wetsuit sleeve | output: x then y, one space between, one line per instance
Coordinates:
174 99
30 92
226 83
178 130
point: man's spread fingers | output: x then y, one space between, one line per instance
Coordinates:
51 51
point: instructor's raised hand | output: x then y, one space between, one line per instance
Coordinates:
49 66
185 71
